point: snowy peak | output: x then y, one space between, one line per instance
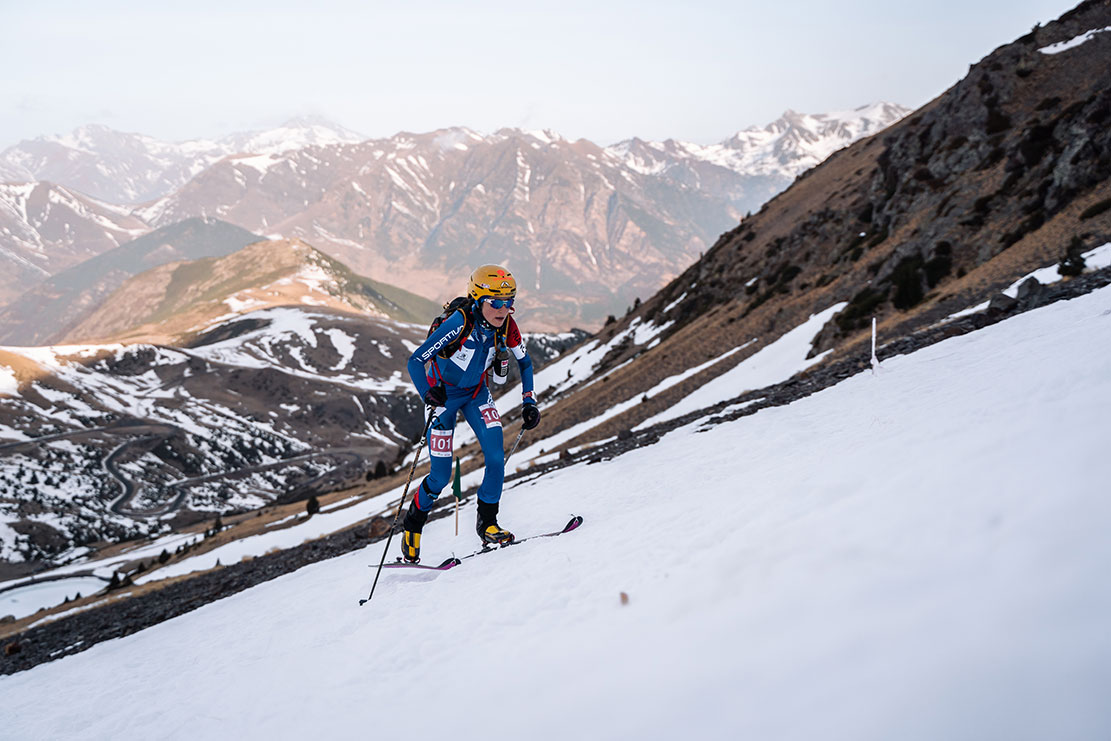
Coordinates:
125 167
297 133
786 147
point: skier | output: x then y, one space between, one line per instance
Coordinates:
450 373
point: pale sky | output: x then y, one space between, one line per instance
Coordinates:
605 71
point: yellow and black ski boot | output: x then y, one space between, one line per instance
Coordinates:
488 529
410 533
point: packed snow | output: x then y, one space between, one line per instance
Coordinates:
27 600
1094 259
772 364
8 383
916 554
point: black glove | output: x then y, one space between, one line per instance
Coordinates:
436 396
530 416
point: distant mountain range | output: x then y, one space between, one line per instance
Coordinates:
586 229
129 168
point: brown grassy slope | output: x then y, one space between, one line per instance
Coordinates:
994 178
167 303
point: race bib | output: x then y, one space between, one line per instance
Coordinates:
490 415
439 443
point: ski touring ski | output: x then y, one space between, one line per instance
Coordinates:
454 561
572 524
399 564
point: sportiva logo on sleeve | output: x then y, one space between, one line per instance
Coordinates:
439 443
443 341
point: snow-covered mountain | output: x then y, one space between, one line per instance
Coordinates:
587 229
780 151
917 553
129 168
584 234
107 442
47 228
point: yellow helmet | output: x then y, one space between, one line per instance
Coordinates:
491 281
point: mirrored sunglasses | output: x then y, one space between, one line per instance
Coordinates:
500 303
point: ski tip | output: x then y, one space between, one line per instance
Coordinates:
573 523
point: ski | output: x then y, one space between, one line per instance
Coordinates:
399 564
572 524
454 561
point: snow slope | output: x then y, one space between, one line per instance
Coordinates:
918 554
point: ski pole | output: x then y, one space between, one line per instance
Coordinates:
404 494
457 492
515 442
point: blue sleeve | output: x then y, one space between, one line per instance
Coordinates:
516 344
444 334
525 364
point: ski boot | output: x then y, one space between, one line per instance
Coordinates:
410 533
488 529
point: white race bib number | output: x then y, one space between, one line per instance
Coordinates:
490 415
439 444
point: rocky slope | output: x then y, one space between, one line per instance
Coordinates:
1003 174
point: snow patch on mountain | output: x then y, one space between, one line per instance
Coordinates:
8 385
1073 42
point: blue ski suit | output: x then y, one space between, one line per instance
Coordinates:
464 378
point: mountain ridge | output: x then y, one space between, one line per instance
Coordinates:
584 227
130 168
43 314
172 302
